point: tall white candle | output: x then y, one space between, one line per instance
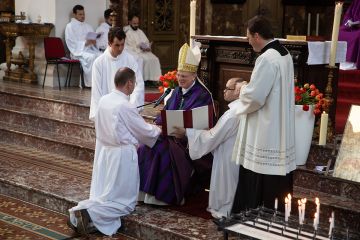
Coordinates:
303 203
300 214
335 32
309 24
192 19
317 24
289 204
286 209
332 223
276 204
315 221
317 201
323 128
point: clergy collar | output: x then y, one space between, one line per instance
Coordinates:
275 44
234 103
184 91
121 94
107 52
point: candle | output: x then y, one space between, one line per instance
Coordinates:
309 23
286 209
323 128
303 203
289 205
276 204
332 223
300 214
317 201
317 24
192 19
335 32
315 221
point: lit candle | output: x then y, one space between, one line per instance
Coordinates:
300 214
286 209
315 221
289 205
309 23
303 203
192 19
317 201
332 223
335 32
323 128
317 24
276 204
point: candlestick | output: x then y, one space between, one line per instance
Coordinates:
315 221
303 203
335 32
317 201
323 128
289 204
300 214
192 19
317 24
309 23
276 204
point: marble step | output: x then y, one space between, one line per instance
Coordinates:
37 120
76 148
58 183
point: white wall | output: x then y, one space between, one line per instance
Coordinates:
59 13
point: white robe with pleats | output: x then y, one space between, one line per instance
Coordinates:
115 178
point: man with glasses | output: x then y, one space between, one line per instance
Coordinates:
115 178
220 141
166 169
105 67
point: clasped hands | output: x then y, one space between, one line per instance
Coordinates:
179 132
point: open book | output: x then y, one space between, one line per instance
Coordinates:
198 118
93 35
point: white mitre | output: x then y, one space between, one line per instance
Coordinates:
189 59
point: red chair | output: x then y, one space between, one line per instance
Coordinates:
55 54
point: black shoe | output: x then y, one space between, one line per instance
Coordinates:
83 220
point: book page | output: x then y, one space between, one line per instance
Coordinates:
93 35
200 117
174 118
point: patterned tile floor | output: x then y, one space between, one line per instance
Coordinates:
24 221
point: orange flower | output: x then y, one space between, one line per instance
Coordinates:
168 80
309 95
161 89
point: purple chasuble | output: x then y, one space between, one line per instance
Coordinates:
166 168
351 34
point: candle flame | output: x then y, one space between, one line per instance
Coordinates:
299 202
289 196
317 201
303 200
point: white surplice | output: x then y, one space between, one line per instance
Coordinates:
265 142
102 41
104 70
220 141
115 178
75 37
151 64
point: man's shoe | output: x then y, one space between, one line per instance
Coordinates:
83 220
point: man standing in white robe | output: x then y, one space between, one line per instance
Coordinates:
79 46
115 178
265 144
220 141
105 67
103 28
138 44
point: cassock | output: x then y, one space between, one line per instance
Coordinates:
102 41
166 168
151 64
220 141
104 69
265 144
351 34
75 37
115 178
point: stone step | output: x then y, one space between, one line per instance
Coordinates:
58 183
67 146
51 123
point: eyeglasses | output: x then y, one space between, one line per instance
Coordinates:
229 89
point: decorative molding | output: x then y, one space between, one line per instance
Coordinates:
164 16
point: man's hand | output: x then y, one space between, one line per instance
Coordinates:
90 42
179 132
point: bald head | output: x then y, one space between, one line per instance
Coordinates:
232 89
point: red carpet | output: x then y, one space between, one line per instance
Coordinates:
348 93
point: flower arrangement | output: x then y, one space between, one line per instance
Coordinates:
168 80
309 95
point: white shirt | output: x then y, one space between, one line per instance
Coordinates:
103 73
75 36
102 41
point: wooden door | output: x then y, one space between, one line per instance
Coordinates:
6 6
162 23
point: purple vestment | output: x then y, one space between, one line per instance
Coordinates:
166 168
352 34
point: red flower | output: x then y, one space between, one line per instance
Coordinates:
161 89
312 87
168 80
309 95
165 84
306 108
